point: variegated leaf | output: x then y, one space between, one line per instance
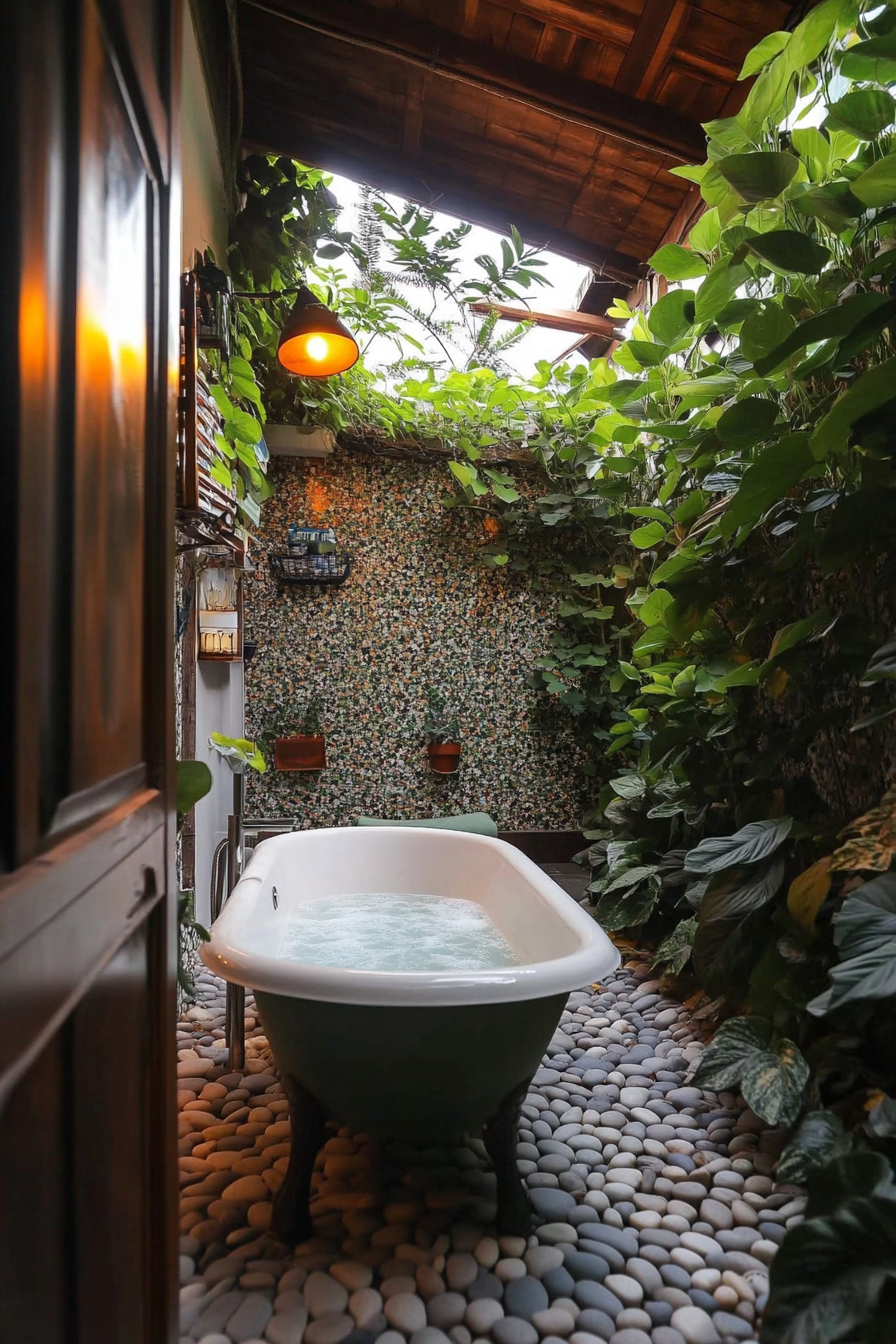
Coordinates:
773 1083
736 1043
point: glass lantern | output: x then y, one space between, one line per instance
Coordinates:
220 615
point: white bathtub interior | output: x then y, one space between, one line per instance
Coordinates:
552 937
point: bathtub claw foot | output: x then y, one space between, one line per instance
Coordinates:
291 1218
499 1136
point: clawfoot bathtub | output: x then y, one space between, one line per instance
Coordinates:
406 1054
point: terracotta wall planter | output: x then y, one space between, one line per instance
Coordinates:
300 753
444 757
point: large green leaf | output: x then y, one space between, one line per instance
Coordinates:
874 388
674 951
672 315
651 534
873 61
859 1173
752 843
814 149
877 185
634 355
863 113
819 1138
719 287
829 1273
833 322
808 627
773 1083
775 472
245 427
741 889
675 262
763 330
825 22
735 1044
629 908
194 781
831 202
747 422
865 934
763 52
651 611
760 175
789 251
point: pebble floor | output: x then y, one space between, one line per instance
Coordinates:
655 1217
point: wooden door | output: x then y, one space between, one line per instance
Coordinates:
90 233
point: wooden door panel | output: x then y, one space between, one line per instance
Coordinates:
35 1182
113 334
43 974
88 906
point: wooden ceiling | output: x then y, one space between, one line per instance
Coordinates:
561 116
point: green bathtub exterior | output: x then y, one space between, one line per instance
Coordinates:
409 1072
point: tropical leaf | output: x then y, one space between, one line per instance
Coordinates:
870 840
819 1138
881 665
747 422
865 935
675 262
672 315
860 1173
719 287
789 251
629 908
675 950
834 322
806 893
764 51
874 60
829 1274
773 1082
775 472
740 889
766 329
760 175
735 1044
863 113
194 781
754 842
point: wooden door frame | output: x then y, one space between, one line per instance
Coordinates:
74 896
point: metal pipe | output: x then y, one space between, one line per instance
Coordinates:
235 1010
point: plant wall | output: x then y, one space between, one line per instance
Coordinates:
722 502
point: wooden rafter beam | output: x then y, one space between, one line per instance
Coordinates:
557 319
649 37
449 55
431 185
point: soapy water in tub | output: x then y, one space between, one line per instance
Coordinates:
384 931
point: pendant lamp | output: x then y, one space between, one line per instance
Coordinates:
314 342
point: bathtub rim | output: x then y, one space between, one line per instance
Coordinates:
594 960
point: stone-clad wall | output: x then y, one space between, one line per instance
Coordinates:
416 610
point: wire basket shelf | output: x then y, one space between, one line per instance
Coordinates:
291 568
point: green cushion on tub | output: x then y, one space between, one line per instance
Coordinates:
478 823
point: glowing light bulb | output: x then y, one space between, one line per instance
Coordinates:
317 347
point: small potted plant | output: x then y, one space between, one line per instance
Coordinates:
442 733
299 742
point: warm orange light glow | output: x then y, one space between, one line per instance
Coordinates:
317 354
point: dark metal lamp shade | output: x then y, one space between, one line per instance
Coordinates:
314 342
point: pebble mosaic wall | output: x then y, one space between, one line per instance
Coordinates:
416 611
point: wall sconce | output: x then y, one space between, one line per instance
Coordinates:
220 616
314 342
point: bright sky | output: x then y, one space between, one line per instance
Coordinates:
564 279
